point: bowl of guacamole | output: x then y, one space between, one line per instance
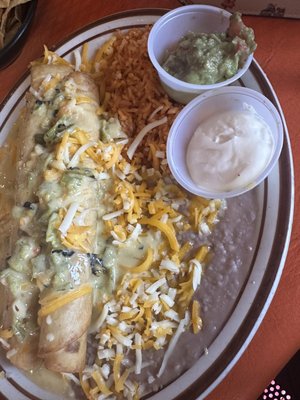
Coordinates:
198 48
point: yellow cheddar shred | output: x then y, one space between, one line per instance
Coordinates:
148 316
184 250
202 253
85 386
85 63
84 100
139 315
104 50
166 229
186 292
93 392
52 83
98 378
127 315
116 369
145 265
48 307
53 58
136 282
212 217
114 158
119 385
196 320
76 241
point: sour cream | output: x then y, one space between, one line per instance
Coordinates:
230 150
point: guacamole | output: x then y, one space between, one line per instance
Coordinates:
208 58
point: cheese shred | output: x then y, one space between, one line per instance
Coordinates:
128 198
49 307
145 265
138 139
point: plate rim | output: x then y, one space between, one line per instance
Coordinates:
288 214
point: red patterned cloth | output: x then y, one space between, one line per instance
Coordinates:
266 8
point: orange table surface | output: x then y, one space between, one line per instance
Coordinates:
278 53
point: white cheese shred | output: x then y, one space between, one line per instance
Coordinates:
160 154
125 341
11 353
112 215
35 93
75 159
67 221
172 345
71 377
105 370
122 142
172 315
170 302
172 293
77 56
138 353
116 237
106 354
152 288
5 344
105 397
46 80
197 271
102 176
157 110
169 265
136 232
137 176
120 174
134 145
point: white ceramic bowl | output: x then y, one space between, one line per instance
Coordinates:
170 28
203 107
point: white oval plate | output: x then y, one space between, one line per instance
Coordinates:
239 284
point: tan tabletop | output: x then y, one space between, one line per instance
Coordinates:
278 337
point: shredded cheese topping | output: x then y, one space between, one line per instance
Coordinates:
141 207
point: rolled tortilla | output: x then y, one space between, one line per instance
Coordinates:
22 351
83 105
69 359
33 121
63 327
63 336
33 118
63 333
76 104
62 339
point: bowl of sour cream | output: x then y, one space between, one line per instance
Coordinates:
199 47
225 142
